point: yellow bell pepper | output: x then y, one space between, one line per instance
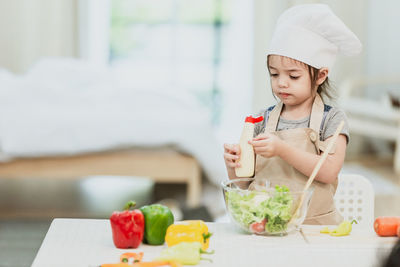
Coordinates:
343 229
325 230
188 231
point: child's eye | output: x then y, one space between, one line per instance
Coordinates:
274 75
294 77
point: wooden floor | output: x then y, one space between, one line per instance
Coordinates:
20 240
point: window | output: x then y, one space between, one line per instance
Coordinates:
171 43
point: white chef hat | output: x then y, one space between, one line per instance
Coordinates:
313 34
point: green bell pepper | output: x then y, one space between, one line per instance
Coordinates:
157 218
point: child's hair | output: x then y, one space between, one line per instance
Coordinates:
324 89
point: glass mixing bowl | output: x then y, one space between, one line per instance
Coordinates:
265 211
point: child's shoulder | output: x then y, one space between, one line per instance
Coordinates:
259 127
269 109
265 112
331 112
333 115
332 118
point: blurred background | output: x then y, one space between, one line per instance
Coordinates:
103 101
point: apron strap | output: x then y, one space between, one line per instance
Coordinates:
273 118
317 114
316 120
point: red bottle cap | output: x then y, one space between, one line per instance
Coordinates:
253 120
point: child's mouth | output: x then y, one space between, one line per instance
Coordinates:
284 95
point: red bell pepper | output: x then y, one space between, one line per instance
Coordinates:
127 227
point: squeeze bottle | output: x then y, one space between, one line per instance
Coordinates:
247 158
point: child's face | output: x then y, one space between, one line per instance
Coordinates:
290 80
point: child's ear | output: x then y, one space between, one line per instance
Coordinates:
322 75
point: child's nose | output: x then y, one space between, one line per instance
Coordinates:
282 82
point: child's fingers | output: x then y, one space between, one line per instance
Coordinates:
230 157
232 148
232 163
261 136
258 143
227 147
257 139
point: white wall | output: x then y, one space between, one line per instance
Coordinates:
354 15
383 51
31 29
382 55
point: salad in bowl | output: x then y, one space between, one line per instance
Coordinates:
270 211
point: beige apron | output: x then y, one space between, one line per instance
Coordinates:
277 171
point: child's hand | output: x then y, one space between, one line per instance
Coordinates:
266 145
231 155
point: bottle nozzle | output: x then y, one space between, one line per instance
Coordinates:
253 120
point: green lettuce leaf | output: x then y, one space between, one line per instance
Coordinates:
249 207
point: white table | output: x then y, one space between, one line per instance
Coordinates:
88 242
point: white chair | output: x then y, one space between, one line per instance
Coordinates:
355 199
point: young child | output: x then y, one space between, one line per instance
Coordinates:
294 133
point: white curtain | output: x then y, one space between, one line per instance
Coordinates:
31 29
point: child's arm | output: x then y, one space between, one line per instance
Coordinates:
268 145
231 157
